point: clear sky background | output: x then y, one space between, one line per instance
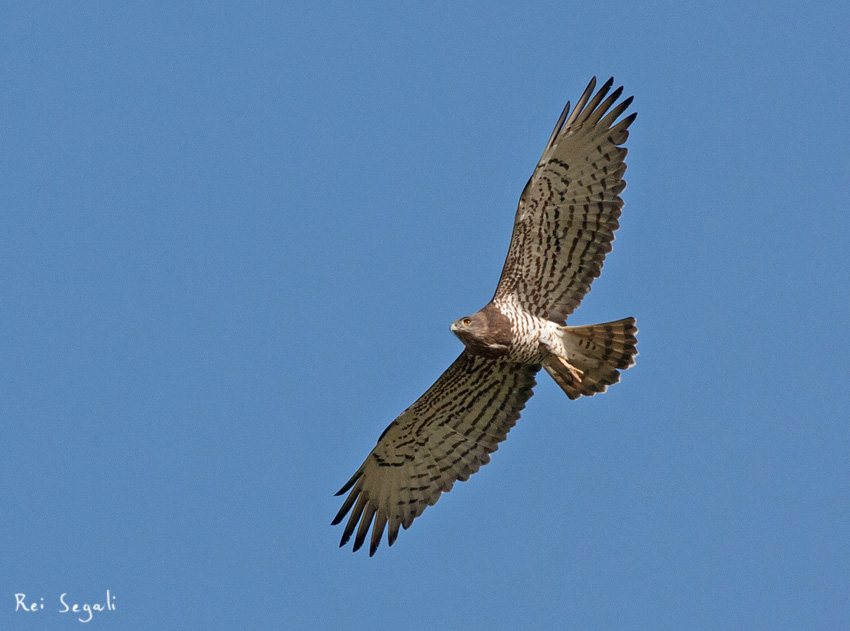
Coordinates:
234 237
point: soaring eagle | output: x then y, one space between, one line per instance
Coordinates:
564 227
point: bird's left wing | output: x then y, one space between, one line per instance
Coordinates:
445 436
570 208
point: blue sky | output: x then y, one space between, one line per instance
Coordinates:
235 236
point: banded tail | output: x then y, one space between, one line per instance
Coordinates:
595 355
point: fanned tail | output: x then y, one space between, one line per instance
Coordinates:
595 355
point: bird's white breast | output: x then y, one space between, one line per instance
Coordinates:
533 336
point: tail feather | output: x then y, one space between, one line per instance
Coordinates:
595 355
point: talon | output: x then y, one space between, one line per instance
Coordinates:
575 372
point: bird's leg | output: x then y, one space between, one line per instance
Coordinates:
575 372
552 341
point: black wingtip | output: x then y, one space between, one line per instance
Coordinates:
588 91
616 94
349 484
340 515
346 506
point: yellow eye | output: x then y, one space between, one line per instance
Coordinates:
467 322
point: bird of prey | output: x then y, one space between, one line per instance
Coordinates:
563 229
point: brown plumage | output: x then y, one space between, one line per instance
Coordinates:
563 229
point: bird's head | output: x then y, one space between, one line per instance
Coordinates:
467 326
484 332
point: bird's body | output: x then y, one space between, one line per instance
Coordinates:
564 227
530 338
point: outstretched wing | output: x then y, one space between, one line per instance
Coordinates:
446 435
570 208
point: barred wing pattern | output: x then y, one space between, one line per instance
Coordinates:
569 209
445 436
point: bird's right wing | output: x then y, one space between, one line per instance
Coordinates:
446 435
